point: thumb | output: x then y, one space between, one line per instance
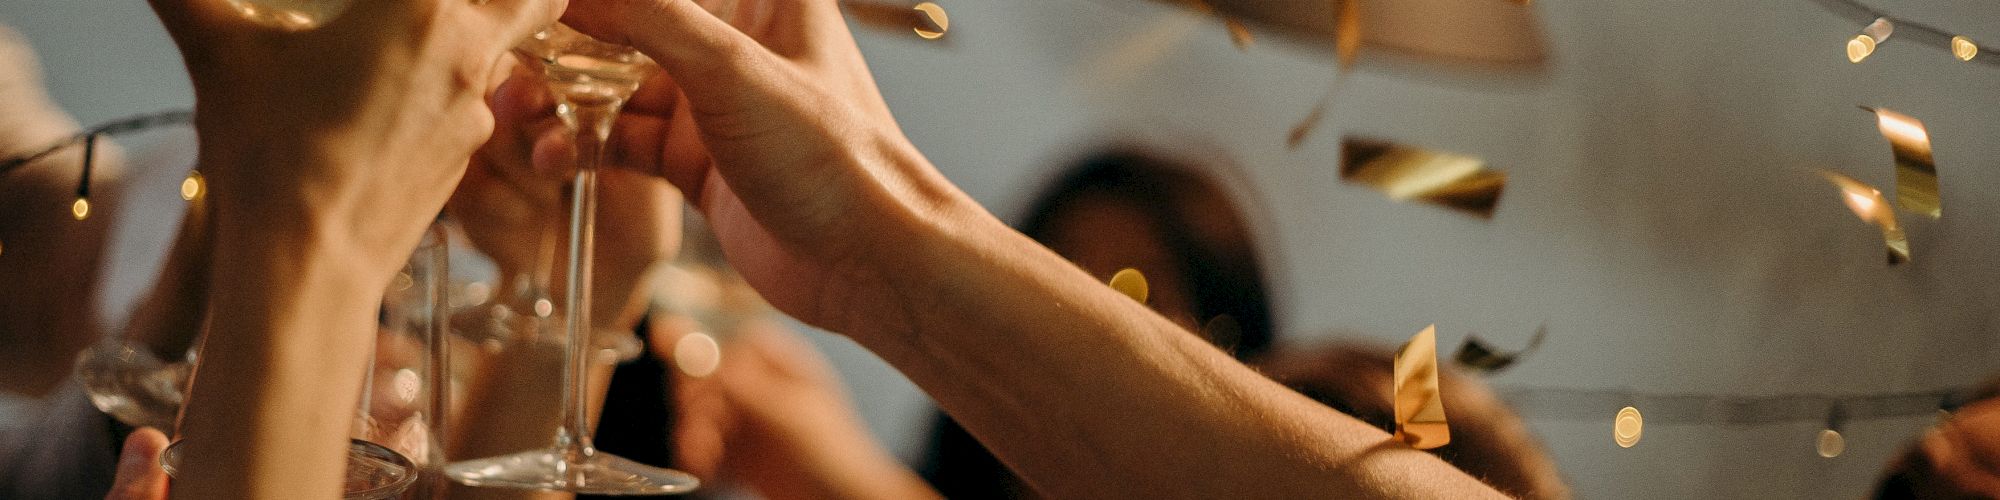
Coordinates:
710 59
139 474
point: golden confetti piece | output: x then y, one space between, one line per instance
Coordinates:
1420 419
1628 427
1239 34
80 209
1963 48
939 22
1475 355
1134 54
1130 282
191 186
403 282
926 20
1405 173
1347 34
1830 443
1916 171
1305 127
1868 204
544 308
1347 49
697 354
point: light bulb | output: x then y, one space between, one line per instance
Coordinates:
1628 427
191 186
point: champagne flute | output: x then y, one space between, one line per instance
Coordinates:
591 81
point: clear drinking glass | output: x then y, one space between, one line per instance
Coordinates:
395 450
591 81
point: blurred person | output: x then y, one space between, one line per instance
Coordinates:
1127 209
54 443
775 132
1957 458
358 129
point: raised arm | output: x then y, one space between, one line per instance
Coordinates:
838 220
327 152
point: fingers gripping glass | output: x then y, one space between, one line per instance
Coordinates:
591 81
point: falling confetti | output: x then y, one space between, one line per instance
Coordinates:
926 20
1475 355
80 208
1239 34
1130 282
1405 173
1916 172
1868 204
1346 49
1420 419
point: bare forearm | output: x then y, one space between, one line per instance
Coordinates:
1089 394
269 412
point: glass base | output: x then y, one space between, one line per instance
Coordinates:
599 474
130 384
373 471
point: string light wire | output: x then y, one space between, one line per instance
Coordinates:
1911 31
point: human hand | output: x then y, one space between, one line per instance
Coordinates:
774 415
777 133
352 132
139 475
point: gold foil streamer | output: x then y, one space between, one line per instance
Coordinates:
1420 419
1868 204
1346 49
1406 173
1130 282
1476 356
1239 34
1628 427
1916 171
926 20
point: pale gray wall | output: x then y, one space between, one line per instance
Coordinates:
1659 218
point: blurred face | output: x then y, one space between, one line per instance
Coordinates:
1103 235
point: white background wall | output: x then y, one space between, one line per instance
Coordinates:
1659 217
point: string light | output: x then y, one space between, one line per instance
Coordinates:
191 187
1862 45
81 208
1628 427
1879 25
1830 443
1963 48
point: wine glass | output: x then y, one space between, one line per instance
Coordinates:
395 443
591 81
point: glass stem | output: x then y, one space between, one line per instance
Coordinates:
590 116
